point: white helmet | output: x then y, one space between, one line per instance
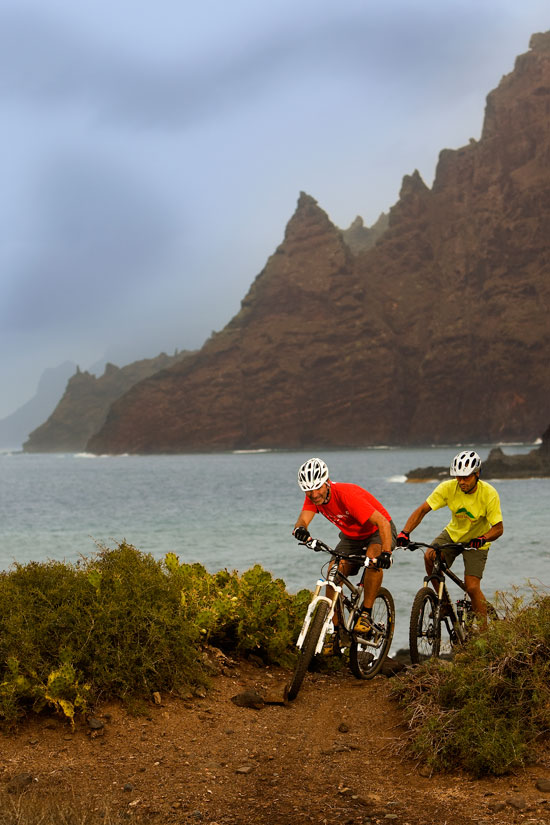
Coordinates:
312 474
465 463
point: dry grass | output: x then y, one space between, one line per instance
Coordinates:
32 808
489 710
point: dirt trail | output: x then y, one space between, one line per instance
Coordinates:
327 758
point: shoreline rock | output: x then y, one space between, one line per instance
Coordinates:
534 464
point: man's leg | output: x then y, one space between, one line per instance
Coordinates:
479 602
347 568
372 579
474 566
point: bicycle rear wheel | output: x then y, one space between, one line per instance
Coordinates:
308 649
367 655
424 628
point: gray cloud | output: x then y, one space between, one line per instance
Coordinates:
45 63
98 234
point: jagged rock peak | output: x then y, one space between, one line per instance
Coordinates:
412 185
540 42
522 95
308 220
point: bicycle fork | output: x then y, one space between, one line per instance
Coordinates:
317 598
444 598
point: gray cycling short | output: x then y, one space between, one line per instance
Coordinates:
474 559
356 547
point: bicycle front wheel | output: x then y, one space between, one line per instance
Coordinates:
425 627
308 649
367 655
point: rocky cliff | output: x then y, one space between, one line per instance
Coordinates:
84 405
436 333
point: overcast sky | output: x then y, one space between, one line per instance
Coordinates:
153 152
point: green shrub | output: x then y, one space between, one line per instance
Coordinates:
104 628
252 613
123 625
487 710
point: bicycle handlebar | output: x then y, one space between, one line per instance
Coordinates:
318 545
417 545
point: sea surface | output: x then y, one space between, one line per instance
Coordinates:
234 510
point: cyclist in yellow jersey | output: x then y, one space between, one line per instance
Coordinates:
476 521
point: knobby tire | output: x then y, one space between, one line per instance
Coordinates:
366 660
308 649
424 629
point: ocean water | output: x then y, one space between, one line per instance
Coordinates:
237 509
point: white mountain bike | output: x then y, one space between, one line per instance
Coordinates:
366 652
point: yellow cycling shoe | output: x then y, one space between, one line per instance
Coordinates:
363 625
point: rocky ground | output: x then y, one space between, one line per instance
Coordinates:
329 757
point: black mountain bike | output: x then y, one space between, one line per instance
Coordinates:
433 609
366 652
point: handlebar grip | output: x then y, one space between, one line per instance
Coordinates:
313 544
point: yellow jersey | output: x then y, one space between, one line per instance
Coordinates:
473 513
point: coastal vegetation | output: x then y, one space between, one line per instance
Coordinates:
123 625
488 711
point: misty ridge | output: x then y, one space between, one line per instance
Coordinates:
430 327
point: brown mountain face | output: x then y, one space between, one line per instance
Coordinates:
438 333
85 403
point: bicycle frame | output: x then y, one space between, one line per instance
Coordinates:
368 649
336 601
440 570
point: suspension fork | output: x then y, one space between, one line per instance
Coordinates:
317 598
438 580
443 598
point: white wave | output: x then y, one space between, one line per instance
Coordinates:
247 452
397 479
101 455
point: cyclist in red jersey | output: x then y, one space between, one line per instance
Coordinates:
365 526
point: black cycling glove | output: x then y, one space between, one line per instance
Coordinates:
403 538
301 533
384 561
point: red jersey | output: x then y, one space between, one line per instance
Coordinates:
350 508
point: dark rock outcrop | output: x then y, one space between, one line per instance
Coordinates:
534 464
84 405
437 333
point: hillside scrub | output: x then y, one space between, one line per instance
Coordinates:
124 625
488 710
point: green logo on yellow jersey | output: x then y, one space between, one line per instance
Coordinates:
466 512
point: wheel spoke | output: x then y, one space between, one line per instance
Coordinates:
425 627
367 654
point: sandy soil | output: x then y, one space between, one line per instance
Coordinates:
328 757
